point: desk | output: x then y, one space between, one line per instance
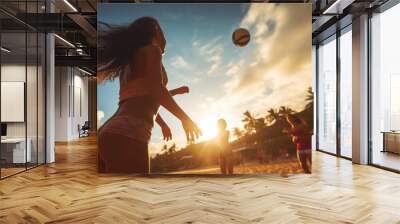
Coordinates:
13 150
391 141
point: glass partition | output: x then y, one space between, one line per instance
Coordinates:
327 95
31 98
22 88
346 93
385 89
14 144
41 96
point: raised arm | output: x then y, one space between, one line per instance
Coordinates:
178 91
166 131
152 65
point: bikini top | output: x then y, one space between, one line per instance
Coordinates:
137 86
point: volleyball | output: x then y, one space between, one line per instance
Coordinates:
241 37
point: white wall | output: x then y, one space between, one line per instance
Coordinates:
71 102
33 127
9 73
12 73
61 103
80 109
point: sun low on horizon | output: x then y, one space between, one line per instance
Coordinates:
208 126
224 80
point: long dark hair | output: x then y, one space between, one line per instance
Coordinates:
117 45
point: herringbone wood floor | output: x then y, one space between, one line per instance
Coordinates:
70 191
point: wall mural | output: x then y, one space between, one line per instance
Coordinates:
204 88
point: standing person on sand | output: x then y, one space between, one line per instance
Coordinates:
225 151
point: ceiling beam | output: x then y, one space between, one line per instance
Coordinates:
84 24
78 61
337 7
320 22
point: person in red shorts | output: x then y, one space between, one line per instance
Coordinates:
301 136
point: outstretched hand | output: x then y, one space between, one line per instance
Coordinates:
192 131
166 131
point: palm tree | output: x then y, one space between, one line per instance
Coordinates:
164 148
249 122
172 149
237 132
272 116
283 111
309 98
259 124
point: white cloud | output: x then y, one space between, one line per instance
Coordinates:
179 139
179 62
283 53
281 69
155 148
215 61
100 116
234 68
276 72
211 52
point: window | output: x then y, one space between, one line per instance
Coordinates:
346 93
327 96
385 89
394 102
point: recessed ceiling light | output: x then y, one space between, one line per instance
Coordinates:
337 7
84 71
70 5
64 40
5 50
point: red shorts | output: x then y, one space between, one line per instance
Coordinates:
301 146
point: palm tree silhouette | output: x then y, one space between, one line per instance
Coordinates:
272 116
259 124
169 150
283 111
249 122
164 148
172 149
237 132
309 98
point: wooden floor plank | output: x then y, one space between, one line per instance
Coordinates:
71 191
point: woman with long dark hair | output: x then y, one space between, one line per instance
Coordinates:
134 55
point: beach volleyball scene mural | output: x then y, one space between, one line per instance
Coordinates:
204 88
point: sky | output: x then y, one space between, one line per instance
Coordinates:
272 70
